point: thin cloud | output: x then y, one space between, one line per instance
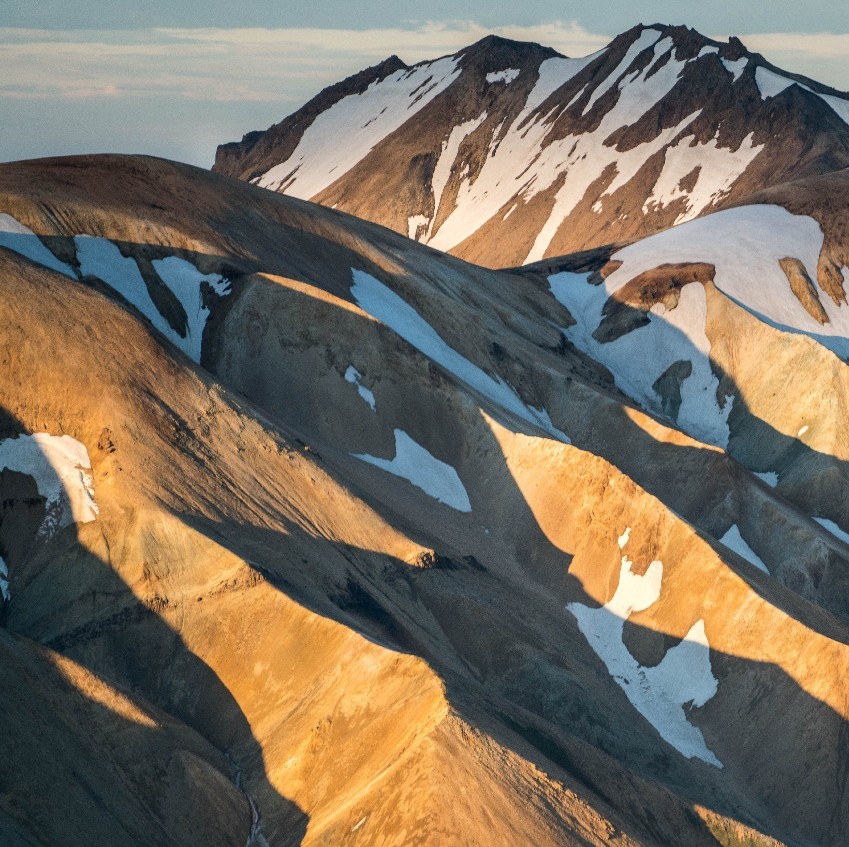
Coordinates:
244 64
95 91
412 44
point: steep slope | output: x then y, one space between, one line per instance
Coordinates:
556 656
687 318
506 152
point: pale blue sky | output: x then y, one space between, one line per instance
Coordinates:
176 78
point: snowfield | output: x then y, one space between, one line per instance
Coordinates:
61 468
101 258
744 245
415 464
346 133
639 358
186 283
526 162
662 694
19 238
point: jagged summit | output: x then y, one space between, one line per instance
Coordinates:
508 152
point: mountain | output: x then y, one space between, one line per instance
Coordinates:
357 543
507 153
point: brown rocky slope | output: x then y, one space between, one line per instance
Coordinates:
379 663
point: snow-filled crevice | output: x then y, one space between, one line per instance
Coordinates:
353 376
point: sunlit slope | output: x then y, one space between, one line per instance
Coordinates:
736 328
298 577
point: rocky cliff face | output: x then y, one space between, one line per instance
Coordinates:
506 153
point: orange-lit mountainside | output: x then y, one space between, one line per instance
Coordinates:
313 534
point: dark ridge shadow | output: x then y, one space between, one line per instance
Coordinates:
136 651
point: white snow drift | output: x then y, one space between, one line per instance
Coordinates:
15 236
415 464
661 694
346 133
638 358
374 298
101 258
61 469
744 245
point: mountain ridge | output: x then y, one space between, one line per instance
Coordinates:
554 535
658 127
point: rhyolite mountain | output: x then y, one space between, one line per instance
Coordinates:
312 534
507 152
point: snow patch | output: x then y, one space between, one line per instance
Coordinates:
374 298
447 158
353 376
415 464
4 581
21 239
771 84
719 167
744 245
662 694
640 357
61 469
802 431
415 223
839 105
553 74
527 162
186 283
734 541
646 39
834 529
506 76
736 67
706 51
100 258
623 539
769 477
345 134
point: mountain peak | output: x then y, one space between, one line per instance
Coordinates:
555 154
495 48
